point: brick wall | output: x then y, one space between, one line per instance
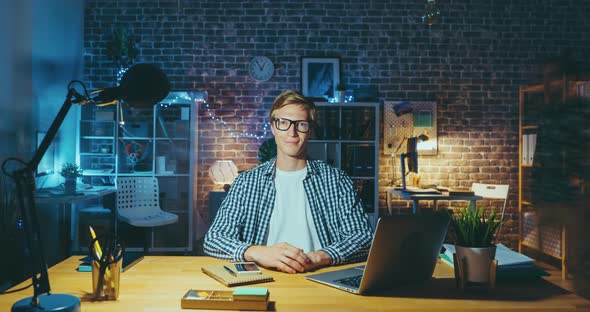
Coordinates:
472 62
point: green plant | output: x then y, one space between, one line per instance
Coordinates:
474 228
70 171
122 48
267 150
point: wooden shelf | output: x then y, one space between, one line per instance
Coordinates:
533 100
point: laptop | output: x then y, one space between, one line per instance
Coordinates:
405 249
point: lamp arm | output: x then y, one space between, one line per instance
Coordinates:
25 186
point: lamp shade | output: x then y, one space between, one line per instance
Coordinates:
223 172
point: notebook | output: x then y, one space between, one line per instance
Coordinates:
219 273
405 249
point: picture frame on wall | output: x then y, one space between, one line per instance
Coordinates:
319 77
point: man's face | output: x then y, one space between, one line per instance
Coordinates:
291 143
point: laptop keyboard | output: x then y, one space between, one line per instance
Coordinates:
353 281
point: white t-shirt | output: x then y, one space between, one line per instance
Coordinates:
291 221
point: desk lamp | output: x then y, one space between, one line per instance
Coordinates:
142 86
412 154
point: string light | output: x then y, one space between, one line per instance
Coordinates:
120 73
236 134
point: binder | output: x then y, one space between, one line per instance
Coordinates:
532 141
525 149
219 273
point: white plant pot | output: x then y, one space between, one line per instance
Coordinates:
477 260
339 95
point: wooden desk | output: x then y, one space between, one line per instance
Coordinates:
70 213
158 282
417 197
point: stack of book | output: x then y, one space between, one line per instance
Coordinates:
242 298
511 264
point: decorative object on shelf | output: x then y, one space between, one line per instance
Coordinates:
475 244
261 68
319 77
267 150
339 95
223 172
136 153
71 172
432 13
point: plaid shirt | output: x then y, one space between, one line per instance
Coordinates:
244 216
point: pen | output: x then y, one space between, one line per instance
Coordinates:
230 270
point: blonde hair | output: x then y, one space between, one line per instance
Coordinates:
290 97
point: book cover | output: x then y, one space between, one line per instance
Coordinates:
461 193
511 264
219 273
251 293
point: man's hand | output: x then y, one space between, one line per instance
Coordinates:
283 257
318 259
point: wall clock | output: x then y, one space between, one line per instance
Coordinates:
261 68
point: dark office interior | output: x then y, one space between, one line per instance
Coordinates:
470 63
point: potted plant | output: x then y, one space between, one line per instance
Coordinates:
123 50
339 95
267 150
475 246
71 172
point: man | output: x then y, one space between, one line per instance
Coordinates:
291 213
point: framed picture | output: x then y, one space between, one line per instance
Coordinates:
320 76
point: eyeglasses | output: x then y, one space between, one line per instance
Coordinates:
284 124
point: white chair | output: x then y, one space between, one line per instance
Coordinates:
493 191
138 204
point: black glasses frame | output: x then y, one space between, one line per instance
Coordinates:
291 122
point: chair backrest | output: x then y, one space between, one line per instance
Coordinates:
138 197
493 191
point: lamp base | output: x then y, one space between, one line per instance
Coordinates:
48 302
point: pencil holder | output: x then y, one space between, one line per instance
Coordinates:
107 261
108 288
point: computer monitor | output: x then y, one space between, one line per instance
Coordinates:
412 155
46 164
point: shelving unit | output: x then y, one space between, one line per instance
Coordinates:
347 137
533 101
152 142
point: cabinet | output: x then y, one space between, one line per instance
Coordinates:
158 141
534 102
347 137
